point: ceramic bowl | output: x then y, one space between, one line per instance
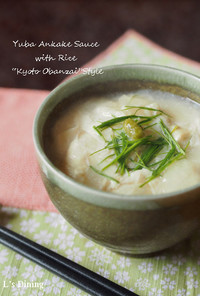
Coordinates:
126 224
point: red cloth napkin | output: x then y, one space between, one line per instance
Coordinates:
20 183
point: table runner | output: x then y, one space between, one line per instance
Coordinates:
174 272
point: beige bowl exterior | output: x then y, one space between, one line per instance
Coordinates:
136 225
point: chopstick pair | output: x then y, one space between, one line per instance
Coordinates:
68 270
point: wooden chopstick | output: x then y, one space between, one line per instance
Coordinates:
68 270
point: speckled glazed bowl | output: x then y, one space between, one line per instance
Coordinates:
126 224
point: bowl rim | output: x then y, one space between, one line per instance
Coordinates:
103 197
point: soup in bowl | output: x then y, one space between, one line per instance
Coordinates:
119 155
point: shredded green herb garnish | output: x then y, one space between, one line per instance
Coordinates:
170 138
131 154
115 120
127 149
150 152
145 108
103 175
